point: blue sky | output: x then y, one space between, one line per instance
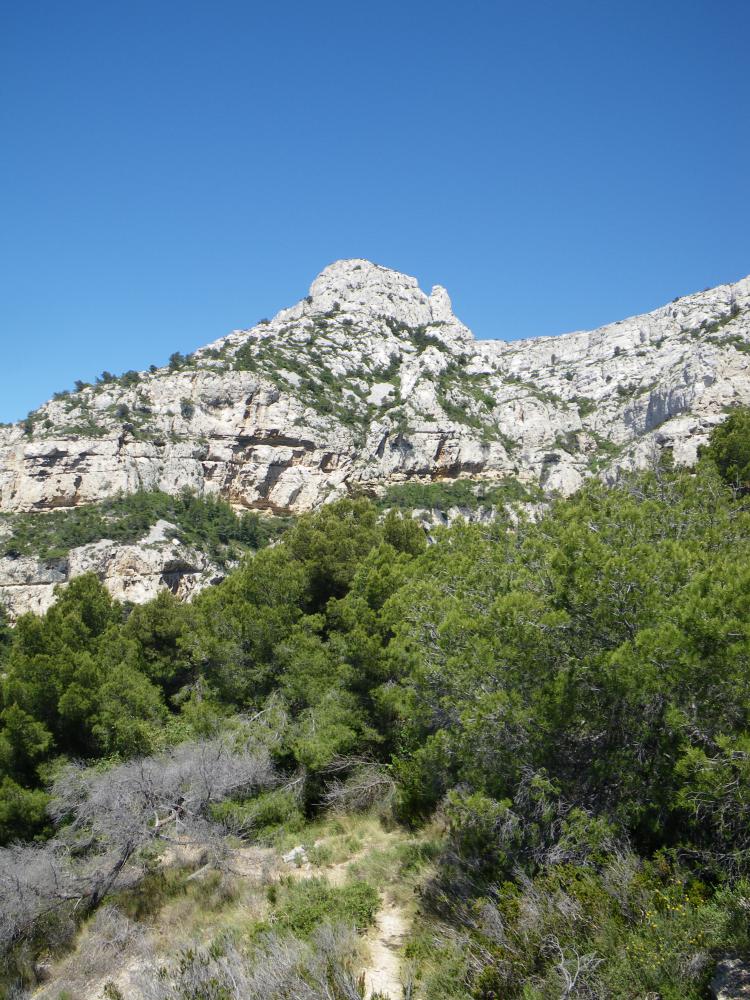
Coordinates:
173 170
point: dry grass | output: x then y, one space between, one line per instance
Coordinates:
106 943
184 907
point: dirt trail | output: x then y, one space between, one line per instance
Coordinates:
383 970
383 942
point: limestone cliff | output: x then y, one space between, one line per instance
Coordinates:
369 381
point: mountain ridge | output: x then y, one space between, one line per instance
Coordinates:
369 382
377 379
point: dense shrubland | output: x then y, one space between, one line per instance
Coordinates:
206 522
462 493
566 703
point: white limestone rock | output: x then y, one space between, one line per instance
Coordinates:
731 980
134 572
380 393
367 381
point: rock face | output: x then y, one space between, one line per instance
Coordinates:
369 381
731 980
134 572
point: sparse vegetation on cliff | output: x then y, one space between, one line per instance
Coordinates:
467 494
206 522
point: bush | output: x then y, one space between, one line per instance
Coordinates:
263 816
303 906
729 448
466 493
205 522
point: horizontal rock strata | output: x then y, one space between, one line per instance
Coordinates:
367 382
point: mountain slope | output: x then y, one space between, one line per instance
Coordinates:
370 382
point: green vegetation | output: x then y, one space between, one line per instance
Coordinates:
465 398
208 523
711 330
585 405
543 395
729 448
302 906
418 335
128 379
187 409
733 340
558 711
714 326
606 451
466 493
315 384
568 442
85 426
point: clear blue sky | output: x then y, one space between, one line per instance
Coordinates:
173 170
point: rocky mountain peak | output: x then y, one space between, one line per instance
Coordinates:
361 287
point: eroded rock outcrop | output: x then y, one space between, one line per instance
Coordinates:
370 381
731 980
133 572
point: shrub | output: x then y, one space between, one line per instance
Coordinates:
262 816
206 522
304 906
442 495
585 405
729 448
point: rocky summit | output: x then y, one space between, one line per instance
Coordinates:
367 382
